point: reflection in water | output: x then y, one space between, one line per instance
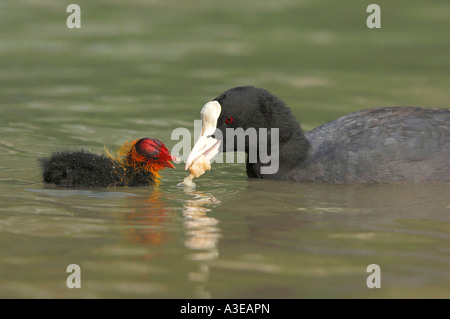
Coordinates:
202 232
202 236
152 221
152 215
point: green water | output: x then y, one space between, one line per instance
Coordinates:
144 68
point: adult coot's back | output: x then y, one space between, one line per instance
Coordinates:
391 144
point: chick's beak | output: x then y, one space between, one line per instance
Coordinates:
172 158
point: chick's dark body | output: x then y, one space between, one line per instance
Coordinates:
81 168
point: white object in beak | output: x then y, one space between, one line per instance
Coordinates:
206 145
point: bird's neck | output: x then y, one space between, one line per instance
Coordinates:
292 150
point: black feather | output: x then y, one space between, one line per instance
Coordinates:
81 168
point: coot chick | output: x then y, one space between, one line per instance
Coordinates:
391 144
137 164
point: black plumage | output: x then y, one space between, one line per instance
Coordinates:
392 144
138 164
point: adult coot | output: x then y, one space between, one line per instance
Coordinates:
137 164
391 144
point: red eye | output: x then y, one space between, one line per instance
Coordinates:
229 120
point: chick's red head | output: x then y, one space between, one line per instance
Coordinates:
152 153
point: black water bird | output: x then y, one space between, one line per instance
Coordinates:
137 164
390 144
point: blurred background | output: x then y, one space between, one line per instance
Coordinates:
143 68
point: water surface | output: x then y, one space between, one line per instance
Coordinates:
145 68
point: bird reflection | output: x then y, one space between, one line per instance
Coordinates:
202 231
151 223
153 214
202 237
150 220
